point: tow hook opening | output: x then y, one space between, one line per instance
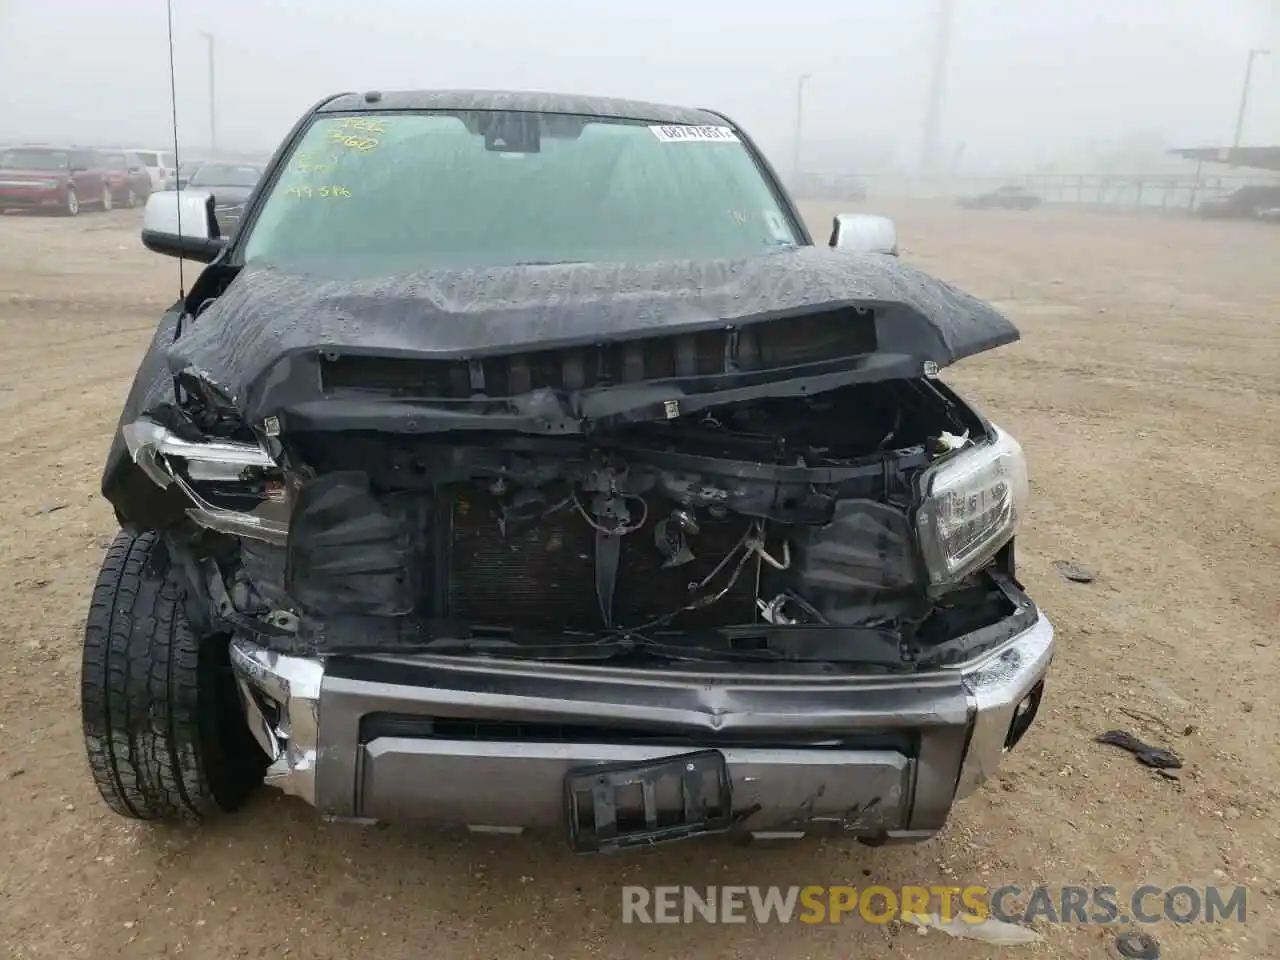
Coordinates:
1023 716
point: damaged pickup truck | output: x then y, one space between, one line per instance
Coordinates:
521 462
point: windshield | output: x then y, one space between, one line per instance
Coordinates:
224 175
379 194
34 160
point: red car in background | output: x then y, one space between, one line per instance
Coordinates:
57 179
127 177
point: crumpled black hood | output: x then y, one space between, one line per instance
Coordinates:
244 341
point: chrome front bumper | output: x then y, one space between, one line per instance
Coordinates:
325 727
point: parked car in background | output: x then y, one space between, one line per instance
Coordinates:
1247 202
1271 216
230 184
127 176
55 179
159 164
1010 197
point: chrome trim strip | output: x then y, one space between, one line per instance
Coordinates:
996 685
292 684
144 436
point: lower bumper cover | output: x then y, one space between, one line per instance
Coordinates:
488 744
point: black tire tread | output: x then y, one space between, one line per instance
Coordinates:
148 695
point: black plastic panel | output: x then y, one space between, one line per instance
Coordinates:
352 553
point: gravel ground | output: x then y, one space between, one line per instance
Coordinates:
1144 391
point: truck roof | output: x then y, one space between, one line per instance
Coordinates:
519 101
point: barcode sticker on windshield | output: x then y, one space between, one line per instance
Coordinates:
681 133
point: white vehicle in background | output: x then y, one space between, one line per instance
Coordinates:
159 164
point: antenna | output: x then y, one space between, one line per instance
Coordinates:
173 103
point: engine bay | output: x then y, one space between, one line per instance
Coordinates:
779 528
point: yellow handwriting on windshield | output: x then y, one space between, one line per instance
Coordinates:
357 133
364 125
308 165
306 191
353 133
352 141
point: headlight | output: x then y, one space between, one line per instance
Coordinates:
971 507
233 487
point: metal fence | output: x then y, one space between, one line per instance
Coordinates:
1174 194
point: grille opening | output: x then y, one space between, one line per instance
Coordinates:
413 726
772 345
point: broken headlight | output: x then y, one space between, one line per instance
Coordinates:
971 504
234 488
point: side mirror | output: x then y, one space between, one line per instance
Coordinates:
864 233
181 224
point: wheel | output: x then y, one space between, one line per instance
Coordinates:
71 203
131 199
106 198
162 722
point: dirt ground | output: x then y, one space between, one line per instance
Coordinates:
1145 393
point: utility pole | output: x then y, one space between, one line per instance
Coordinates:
937 88
795 146
213 112
1244 93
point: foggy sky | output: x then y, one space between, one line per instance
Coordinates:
1027 79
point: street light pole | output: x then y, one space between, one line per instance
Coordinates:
1244 93
213 113
795 155
937 88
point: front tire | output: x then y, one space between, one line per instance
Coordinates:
71 204
162 722
131 199
107 202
